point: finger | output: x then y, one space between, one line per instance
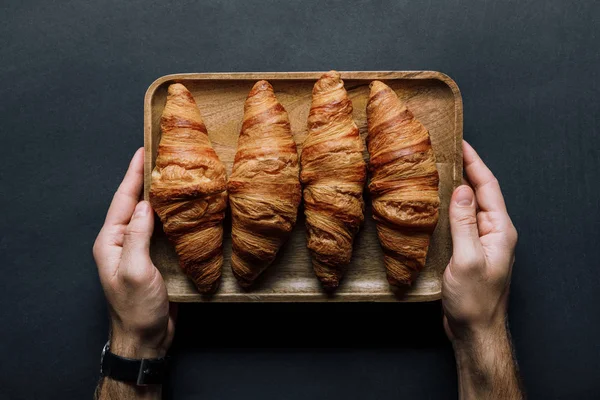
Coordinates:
467 250
136 245
128 193
465 181
487 189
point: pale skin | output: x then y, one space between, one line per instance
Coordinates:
474 292
142 319
476 285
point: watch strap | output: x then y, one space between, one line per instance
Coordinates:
143 371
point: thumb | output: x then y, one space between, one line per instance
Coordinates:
139 230
136 245
463 227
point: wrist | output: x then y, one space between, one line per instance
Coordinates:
131 346
477 336
141 369
469 335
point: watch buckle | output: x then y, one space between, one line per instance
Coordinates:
142 373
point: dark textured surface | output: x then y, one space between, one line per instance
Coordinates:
73 75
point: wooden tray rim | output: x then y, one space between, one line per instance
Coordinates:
306 75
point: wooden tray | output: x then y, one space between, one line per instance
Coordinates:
435 100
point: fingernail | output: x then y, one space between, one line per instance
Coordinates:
464 197
141 209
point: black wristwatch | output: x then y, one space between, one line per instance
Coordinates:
142 372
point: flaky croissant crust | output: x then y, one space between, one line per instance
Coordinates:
264 185
404 184
333 174
188 190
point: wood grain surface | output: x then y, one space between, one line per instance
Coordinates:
435 100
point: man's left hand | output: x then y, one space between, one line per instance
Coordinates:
142 320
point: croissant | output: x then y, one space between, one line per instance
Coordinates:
264 187
188 190
333 174
404 184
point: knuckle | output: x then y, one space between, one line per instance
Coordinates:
133 231
471 263
136 269
134 277
465 219
97 248
491 182
511 237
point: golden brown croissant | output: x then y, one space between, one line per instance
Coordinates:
188 190
333 174
404 184
264 186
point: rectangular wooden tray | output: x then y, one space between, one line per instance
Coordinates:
435 100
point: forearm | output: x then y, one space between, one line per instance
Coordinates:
109 389
486 367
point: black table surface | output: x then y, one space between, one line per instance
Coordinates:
73 76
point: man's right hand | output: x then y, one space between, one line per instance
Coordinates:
476 285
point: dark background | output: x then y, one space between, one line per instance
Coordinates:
72 80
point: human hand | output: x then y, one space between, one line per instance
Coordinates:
476 281
142 320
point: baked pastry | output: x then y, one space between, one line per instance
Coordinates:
188 190
404 184
264 187
333 175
